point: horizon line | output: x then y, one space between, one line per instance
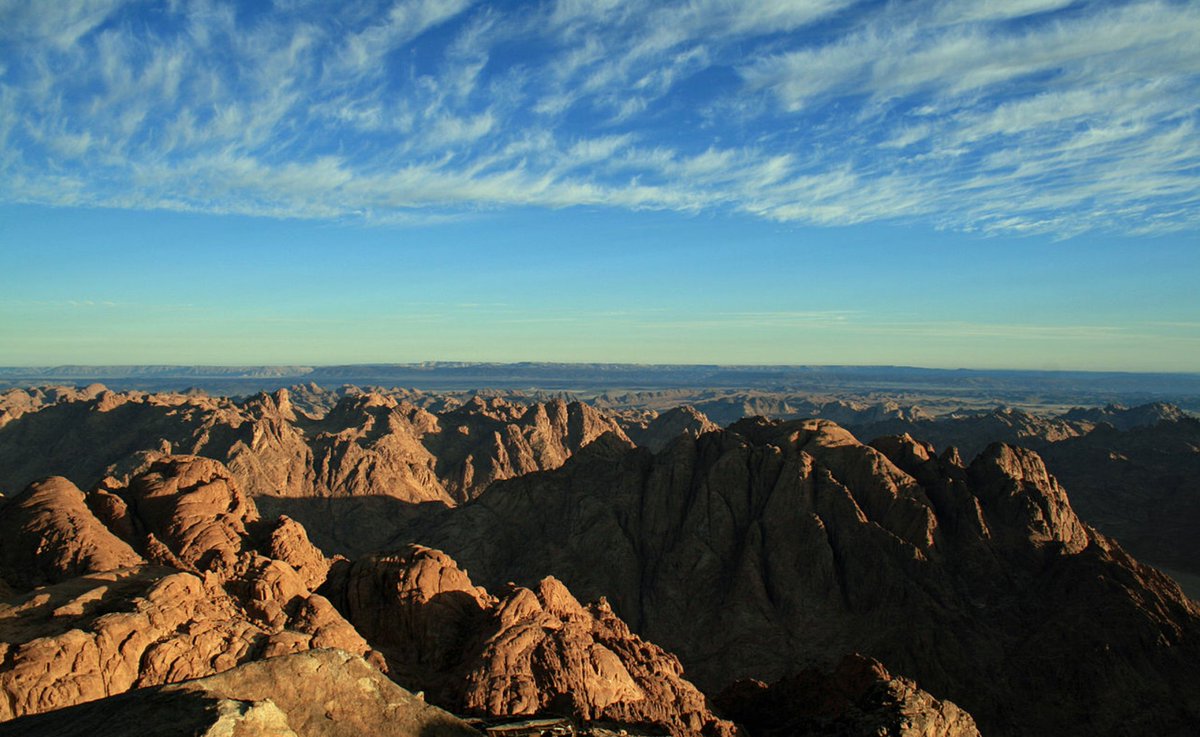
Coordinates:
301 369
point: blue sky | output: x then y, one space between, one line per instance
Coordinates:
937 183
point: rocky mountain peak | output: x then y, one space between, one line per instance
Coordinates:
664 428
1014 487
531 651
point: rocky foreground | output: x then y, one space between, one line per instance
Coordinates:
806 582
330 693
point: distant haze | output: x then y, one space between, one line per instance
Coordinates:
685 383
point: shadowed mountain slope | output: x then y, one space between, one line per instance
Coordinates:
757 550
1133 473
751 552
859 697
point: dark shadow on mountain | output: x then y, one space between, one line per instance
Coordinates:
356 525
141 713
80 440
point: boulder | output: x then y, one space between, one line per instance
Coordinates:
48 534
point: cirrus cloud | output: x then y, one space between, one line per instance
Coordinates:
1039 116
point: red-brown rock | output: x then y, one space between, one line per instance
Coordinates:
530 652
194 507
120 627
322 693
48 534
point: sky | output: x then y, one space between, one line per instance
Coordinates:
947 183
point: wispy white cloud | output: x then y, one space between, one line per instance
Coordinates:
60 24
973 11
1045 116
886 60
362 52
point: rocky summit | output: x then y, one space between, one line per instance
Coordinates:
269 566
189 591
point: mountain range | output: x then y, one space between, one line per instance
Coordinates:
652 569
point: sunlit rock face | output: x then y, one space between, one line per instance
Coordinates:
173 576
367 444
529 651
750 552
49 534
318 693
197 583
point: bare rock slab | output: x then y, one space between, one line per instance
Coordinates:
319 693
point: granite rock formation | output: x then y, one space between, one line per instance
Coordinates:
724 407
166 578
657 432
17 402
485 441
367 444
174 575
1125 418
320 693
768 545
531 651
1140 485
1132 472
971 432
48 534
751 552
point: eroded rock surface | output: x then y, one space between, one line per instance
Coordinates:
1132 471
487 440
972 432
217 597
48 534
531 651
656 433
320 693
769 544
1140 485
366 444
193 506
105 633
746 551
